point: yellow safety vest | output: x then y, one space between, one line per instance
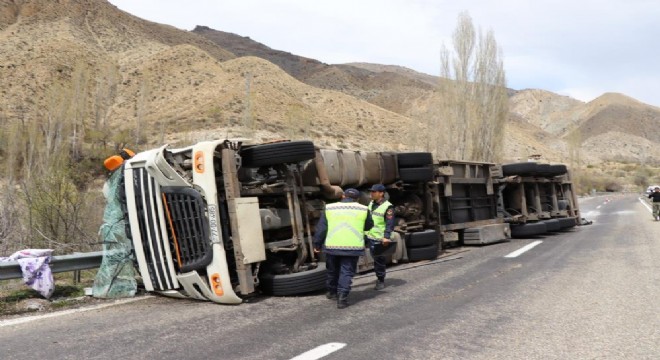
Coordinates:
345 225
378 231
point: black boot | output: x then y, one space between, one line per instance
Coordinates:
331 295
342 301
380 284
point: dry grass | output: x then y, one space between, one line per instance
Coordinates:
68 293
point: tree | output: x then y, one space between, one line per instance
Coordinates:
574 139
474 105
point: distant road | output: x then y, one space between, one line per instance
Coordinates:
593 292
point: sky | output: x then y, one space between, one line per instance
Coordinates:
578 48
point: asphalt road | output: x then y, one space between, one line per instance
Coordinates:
590 293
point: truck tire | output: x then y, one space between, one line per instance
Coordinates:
418 174
553 225
567 223
414 159
422 239
558 169
294 284
522 168
543 170
278 153
423 253
528 229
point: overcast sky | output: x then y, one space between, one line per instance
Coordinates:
579 48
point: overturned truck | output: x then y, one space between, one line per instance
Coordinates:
222 220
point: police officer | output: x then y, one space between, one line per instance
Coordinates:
339 233
655 195
382 212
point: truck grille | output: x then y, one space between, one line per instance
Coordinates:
187 228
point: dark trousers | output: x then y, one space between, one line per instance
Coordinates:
340 270
379 266
379 262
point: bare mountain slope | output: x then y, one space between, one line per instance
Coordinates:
613 112
99 23
392 90
612 126
164 81
548 111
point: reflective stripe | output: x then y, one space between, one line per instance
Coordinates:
377 232
345 226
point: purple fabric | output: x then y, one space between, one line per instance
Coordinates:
36 272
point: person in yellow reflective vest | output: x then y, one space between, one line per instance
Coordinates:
382 212
340 235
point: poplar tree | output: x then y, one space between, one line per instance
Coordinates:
473 105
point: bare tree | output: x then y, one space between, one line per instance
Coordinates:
142 110
299 122
474 104
248 121
105 92
574 138
8 218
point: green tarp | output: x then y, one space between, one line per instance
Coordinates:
116 276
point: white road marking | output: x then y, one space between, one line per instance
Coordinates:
648 207
319 351
625 212
523 249
67 312
598 207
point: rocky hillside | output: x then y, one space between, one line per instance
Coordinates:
174 85
612 126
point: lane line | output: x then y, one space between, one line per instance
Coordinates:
598 207
67 312
523 249
319 351
648 207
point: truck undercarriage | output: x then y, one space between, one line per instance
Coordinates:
221 220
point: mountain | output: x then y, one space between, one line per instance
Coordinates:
166 84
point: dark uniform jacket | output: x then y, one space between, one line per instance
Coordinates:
655 196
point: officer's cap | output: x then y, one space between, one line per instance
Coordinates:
377 187
352 193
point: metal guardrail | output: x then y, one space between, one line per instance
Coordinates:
60 263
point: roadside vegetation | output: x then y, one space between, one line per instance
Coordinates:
16 298
614 176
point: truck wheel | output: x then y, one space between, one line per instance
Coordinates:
423 253
567 223
418 174
422 239
278 153
528 229
543 170
414 159
558 169
522 168
553 225
294 284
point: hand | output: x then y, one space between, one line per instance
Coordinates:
386 241
317 251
